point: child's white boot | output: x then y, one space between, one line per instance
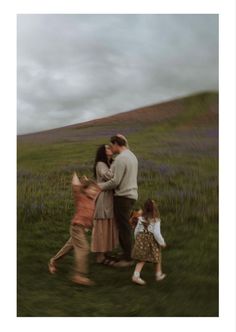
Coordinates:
160 276
136 278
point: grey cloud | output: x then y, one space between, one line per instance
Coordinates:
73 68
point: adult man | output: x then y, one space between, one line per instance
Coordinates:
124 183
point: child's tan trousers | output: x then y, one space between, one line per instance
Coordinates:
64 250
81 248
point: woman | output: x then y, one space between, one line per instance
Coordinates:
105 233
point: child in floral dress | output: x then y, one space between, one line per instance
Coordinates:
148 242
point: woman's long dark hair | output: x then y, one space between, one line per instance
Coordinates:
101 156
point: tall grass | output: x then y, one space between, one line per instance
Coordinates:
178 166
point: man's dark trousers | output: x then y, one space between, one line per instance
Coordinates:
122 209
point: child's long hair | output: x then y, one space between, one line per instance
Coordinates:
150 210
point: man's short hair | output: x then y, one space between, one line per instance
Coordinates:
120 141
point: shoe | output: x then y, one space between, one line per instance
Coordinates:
123 263
52 267
108 262
138 280
83 281
160 277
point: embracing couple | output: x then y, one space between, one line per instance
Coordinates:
118 181
115 195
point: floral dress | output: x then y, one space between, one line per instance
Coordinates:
148 240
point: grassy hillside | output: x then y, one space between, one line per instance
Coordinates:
177 147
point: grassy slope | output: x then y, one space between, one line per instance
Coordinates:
178 165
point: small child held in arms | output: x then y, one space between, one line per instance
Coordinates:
148 242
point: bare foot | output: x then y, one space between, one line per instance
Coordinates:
82 280
100 258
52 266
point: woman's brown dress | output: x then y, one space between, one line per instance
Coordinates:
105 232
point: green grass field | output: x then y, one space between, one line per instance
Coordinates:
178 166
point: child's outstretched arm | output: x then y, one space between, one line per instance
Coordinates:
157 233
76 186
75 180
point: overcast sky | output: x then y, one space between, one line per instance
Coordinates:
74 68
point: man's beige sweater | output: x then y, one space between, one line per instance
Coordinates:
124 181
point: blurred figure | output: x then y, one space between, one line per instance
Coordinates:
148 242
68 246
85 195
